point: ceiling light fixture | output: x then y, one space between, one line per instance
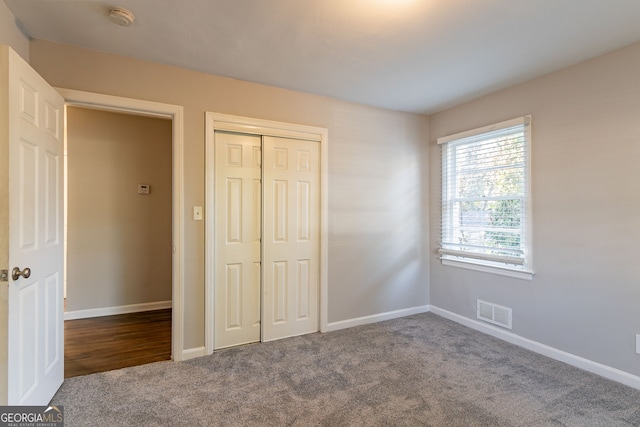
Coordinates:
121 16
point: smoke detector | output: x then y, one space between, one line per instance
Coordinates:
121 16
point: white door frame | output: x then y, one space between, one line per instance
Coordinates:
226 122
175 113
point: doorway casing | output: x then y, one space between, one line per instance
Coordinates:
230 123
175 114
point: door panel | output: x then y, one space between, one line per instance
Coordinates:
280 293
238 160
291 248
36 328
280 211
304 286
52 198
53 310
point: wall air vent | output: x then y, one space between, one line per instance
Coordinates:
493 313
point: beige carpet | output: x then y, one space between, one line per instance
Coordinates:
421 370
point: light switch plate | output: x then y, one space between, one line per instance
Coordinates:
197 213
638 343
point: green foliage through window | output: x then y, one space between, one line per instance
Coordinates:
485 192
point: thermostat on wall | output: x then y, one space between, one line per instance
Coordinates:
144 188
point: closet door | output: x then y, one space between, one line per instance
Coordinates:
238 216
291 240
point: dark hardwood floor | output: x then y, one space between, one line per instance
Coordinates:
112 342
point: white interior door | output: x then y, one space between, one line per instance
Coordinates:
36 325
291 237
238 215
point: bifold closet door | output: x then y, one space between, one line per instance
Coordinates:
291 237
238 217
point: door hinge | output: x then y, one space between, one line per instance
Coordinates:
4 275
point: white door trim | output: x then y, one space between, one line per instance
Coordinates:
175 113
226 122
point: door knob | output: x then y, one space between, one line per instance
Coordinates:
16 273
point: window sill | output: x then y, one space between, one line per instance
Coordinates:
492 269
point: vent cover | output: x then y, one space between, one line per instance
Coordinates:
493 313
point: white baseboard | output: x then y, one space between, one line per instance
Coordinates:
343 324
122 309
568 358
192 353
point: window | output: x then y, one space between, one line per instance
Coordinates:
485 199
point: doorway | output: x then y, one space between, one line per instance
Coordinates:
266 193
174 114
118 239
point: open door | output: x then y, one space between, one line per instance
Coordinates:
35 318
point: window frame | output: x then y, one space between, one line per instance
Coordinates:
515 267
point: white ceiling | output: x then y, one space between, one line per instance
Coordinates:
409 55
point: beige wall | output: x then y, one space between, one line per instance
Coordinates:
377 261
10 34
119 242
585 296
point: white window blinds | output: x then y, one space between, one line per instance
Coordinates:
485 195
